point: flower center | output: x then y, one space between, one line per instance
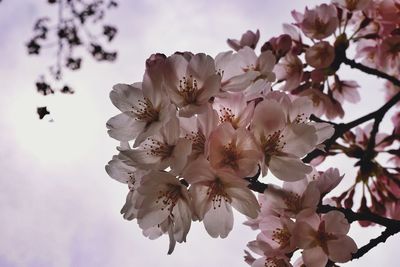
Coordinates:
169 197
226 115
158 149
323 237
292 202
216 192
281 236
145 111
188 90
230 156
198 142
272 145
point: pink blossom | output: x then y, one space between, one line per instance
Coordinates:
270 257
165 207
249 39
290 69
320 55
233 108
319 22
197 129
293 198
190 84
277 232
324 238
235 150
214 193
284 137
239 70
144 112
165 149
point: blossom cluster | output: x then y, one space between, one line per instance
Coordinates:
197 131
288 221
195 128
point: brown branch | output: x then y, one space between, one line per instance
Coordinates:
374 242
341 128
352 216
354 65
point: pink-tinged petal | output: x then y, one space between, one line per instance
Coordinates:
288 169
153 233
341 250
244 201
171 131
124 127
228 64
324 131
291 30
240 82
311 196
201 66
269 116
267 62
148 131
179 156
141 158
310 217
301 108
152 213
125 96
200 199
210 88
329 180
300 139
248 57
336 223
297 187
119 171
304 235
218 221
315 257
198 171
208 121
128 210
182 215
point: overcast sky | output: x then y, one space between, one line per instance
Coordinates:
58 207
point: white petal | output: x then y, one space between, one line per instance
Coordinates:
218 221
244 201
288 169
125 96
124 127
201 66
300 139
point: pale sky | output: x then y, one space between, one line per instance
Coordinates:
58 206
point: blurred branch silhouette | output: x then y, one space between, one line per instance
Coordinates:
79 25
